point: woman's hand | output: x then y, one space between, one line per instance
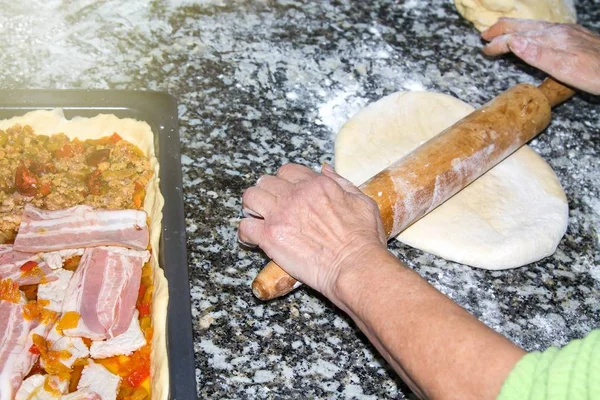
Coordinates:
569 53
313 225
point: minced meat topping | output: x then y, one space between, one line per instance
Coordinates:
55 172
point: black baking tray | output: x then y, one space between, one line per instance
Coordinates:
159 110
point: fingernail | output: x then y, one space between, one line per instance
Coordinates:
248 245
517 44
246 212
327 168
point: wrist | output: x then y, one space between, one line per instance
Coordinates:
355 272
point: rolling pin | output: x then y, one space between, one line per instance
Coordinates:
435 171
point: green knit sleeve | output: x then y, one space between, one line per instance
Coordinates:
572 372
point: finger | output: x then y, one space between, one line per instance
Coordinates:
348 186
564 66
554 62
251 232
499 45
506 26
273 184
295 173
257 202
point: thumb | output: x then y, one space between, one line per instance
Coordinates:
348 186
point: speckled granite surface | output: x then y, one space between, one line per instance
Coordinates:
261 83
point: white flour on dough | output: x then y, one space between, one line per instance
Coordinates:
513 215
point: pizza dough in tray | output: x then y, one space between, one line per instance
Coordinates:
513 215
140 134
485 13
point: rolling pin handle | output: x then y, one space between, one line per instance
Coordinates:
555 92
273 282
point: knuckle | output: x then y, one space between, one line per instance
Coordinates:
325 182
264 179
276 233
247 195
370 204
285 169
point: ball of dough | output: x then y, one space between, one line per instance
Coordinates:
485 13
513 215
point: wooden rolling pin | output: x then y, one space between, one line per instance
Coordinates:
435 171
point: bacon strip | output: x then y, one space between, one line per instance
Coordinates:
13 336
103 291
24 268
80 226
16 339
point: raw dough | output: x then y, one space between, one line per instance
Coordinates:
485 13
513 215
140 134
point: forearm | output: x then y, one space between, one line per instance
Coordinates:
437 347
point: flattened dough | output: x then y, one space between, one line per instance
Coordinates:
485 13
140 134
513 215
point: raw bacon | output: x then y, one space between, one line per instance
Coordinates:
24 268
80 226
133 339
103 291
14 329
16 340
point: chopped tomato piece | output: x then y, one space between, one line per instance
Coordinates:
94 182
26 181
144 309
28 266
34 350
36 369
65 151
141 291
69 149
115 138
138 375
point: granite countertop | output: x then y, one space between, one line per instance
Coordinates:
261 83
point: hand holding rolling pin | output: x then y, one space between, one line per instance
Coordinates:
311 219
327 234
569 53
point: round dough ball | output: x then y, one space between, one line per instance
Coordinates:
485 13
513 215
